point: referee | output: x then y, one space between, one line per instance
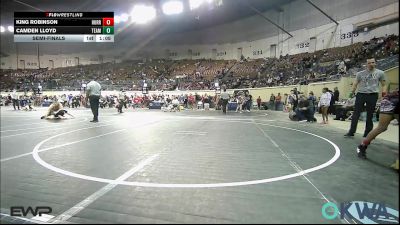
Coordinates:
93 92
367 82
225 99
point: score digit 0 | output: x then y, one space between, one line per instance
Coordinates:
108 30
108 21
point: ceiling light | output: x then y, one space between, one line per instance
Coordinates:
172 7
195 3
10 28
2 29
142 14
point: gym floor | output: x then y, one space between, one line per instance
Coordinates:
148 166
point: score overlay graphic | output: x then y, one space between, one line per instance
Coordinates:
63 26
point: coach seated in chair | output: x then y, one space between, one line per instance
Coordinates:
343 111
303 111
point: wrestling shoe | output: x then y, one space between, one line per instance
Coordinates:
362 151
349 135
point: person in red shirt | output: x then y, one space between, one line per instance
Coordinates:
259 102
191 100
136 101
278 100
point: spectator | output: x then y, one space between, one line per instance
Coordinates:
324 103
302 112
295 98
259 102
285 102
341 113
272 101
335 94
249 102
312 104
331 108
342 68
278 101
121 100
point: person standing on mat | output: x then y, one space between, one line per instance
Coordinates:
93 92
121 100
15 99
225 99
367 82
323 104
388 110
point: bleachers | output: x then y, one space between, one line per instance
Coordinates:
191 74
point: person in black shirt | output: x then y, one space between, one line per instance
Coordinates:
296 99
335 94
206 102
249 102
331 109
302 110
225 98
272 101
312 101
